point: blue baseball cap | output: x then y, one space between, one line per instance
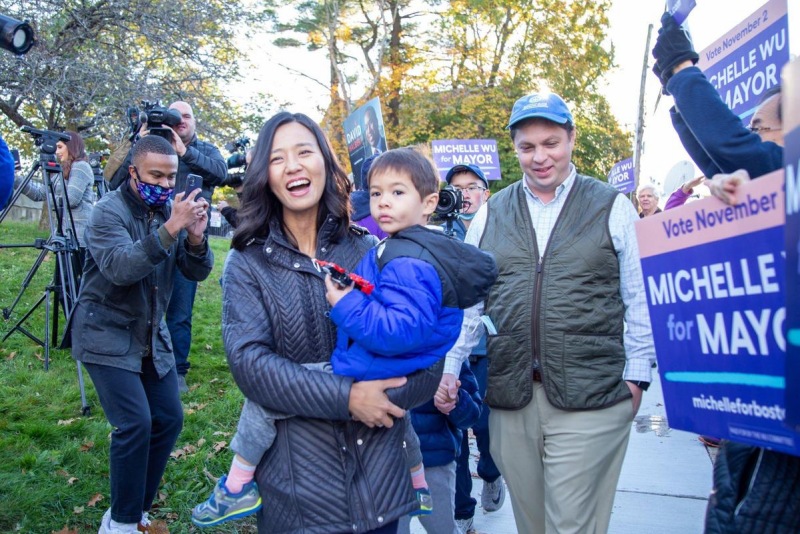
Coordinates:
474 169
548 106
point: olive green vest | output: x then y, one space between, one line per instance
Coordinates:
565 311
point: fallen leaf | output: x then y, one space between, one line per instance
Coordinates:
158 526
86 446
65 530
11 356
201 442
208 347
177 454
162 496
207 473
221 433
62 473
94 500
77 510
172 515
72 480
39 356
218 446
65 422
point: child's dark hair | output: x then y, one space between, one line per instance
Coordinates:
407 160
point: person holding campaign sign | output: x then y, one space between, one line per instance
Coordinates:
711 133
755 489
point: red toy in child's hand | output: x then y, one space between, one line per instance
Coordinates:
343 278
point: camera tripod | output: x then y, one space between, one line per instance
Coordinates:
63 243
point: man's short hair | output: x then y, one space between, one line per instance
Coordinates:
646 187
407 160
151 144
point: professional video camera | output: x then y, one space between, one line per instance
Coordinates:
238 150
237 160
96 162
158 119
15 35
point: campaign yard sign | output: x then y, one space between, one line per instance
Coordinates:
447 153
746 61
365 136
791 158
714 277
622 176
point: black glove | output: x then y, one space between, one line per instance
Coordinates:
672 48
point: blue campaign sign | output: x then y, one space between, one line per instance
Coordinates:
680 9
622 176
746 61
715 282
447 153
791 122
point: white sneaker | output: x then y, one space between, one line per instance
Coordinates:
465 526
493 495
119 528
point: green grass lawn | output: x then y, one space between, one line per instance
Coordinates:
53 460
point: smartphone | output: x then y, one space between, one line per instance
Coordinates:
193 181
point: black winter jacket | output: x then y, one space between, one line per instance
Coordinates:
324 473
127 283
756 491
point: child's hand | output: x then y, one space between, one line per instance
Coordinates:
335 291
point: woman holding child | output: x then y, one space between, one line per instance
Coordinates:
338 464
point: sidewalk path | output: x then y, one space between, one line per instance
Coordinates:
663 487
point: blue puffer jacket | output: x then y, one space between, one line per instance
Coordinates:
414 314
440 435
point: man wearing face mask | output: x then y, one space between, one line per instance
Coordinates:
137 240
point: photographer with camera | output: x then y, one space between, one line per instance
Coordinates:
74 183
469 182
138 240
195 157
239 159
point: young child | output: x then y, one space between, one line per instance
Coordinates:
423 280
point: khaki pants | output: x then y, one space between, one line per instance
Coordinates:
561 467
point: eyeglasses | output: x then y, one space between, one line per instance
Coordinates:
470 189
759 129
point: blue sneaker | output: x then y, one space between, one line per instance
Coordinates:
425 502
224 506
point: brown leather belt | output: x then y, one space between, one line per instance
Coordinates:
537 375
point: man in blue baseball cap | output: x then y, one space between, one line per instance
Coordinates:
474 187
570 345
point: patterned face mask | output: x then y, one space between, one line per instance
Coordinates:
152 194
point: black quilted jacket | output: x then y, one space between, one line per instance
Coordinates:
756 491
324 473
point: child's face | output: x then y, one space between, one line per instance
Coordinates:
396 204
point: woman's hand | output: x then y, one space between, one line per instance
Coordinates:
370 405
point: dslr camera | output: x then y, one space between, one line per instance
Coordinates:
451 202
158 119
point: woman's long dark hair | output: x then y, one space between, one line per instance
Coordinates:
76 151
259 204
